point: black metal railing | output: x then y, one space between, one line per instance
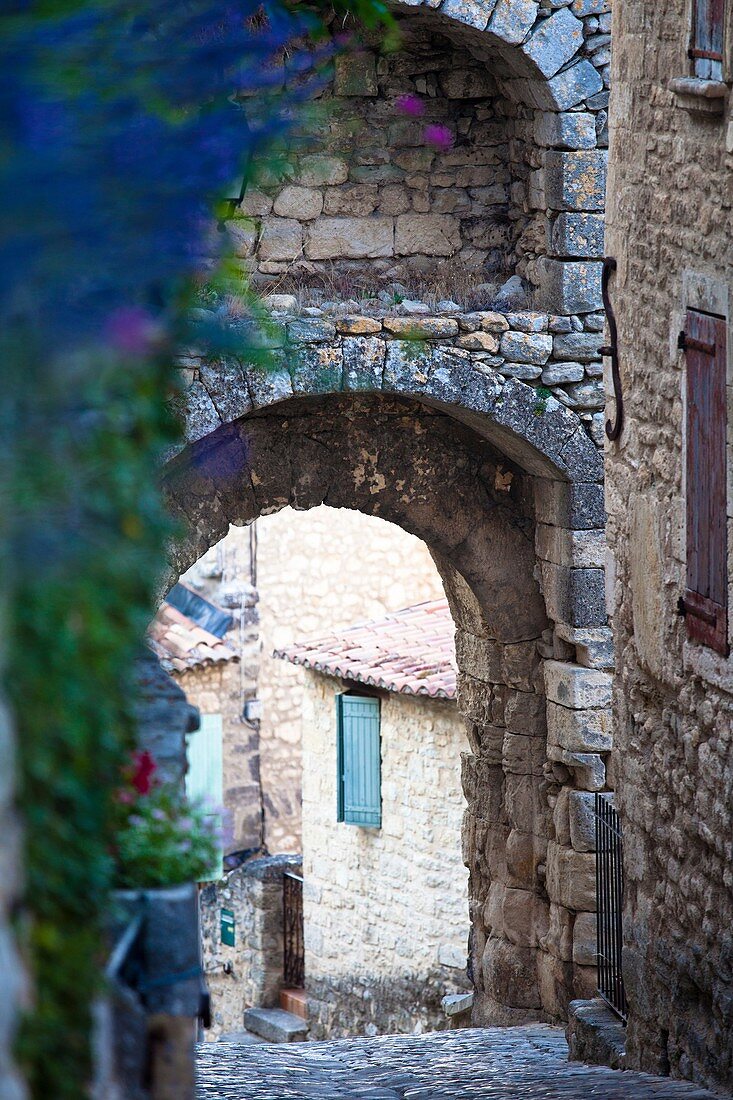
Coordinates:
293 952
609 900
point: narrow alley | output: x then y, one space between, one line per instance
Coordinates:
521 1063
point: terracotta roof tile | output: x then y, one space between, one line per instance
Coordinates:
410 651
181 644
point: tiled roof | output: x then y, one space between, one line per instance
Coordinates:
181 644
410 651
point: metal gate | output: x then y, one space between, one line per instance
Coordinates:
609 900
293 952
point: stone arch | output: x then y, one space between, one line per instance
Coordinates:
508 501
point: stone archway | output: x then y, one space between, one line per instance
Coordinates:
504 490
477 431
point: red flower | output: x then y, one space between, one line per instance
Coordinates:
145 766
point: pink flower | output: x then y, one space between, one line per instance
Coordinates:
132 331
410 105
439 136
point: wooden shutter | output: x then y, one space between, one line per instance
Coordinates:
205 775
359 760
706 48
706 596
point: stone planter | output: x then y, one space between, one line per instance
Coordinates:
171 970
152 1038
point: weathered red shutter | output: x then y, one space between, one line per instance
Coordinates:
706 48
706 596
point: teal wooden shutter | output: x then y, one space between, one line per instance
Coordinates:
359 760
205 775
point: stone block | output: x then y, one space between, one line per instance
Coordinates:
358 326
394 199
525 917
576 180
554 42
574 596
556 984
281 303
566 129
256 203
525 807
455 1004
318 170
573 85
579 506
302 203
282 239
581 346
489 321
352 238
421 328
427 234
356 74
478 341
526 347
579 730
557 374
513 19
558 940
524 852
311 330
363 363
316 369
571 286
587 395
579 549
584 939
524 712
527 321
571 878
595 1035
581 8
522 755
472 12
588 769
510 973
466 84
582 821
579 235
358 200
576 687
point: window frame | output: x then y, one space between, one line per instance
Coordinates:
708 63
343 812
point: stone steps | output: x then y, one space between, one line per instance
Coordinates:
276 1025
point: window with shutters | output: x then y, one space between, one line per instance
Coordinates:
205 775
359 760
705 602
706 45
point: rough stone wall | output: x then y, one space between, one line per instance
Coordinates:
224 575
218 689
362 184
557 355
670 229
386 910
249 974
521 86
317 571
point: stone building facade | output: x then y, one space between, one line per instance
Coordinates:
669 228
385 905
289 575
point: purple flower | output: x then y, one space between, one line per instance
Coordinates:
410 105
439 136
132 331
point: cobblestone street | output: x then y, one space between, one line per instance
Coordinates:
528 1063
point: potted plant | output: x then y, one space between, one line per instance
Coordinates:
164 846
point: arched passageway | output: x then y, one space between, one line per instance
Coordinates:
516 540
475 431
